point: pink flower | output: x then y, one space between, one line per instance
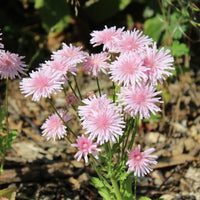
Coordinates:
54 127
71 99
140 161
157 63
101 119
96 63
85 147
128 69
60 65
132 41
11 65
140 100
42 83
106 37
70 52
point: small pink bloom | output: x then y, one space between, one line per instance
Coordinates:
70 52
71 99
106 37
132 41
96 63
11 65
141 162
42 83
157 62
101 119
54 127
85 147
128 69
140 100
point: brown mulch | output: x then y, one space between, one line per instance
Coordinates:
42 170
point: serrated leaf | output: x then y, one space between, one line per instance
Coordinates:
178 49
11 137
96 182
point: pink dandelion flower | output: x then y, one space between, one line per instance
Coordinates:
140 100
85 147
60 65
157 63
42 83
54 127
96 63
128 69
11 65
132 41
106 37
70 52
102 121
141 162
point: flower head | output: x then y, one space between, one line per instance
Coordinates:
85 147
132 41
61 65
54 127
101 119
140 161
42 83
157 62
71 99
106 37
70 52
96 63
140 100
11 65
128 69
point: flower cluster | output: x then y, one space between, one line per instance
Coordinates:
133 63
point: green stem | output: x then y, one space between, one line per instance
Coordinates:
7 129
114 92
72 89
77 88
62 120
99 89
135 186
116 188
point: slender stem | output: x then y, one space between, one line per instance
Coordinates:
99 89
135 186
116 188
77 88
114 92
7 129
70 85
62 120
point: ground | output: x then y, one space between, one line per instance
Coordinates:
42 170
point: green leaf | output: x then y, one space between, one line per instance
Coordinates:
55 15
144 198
11 137
153 27
96 182
166 95
127 189
179 49
9 193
